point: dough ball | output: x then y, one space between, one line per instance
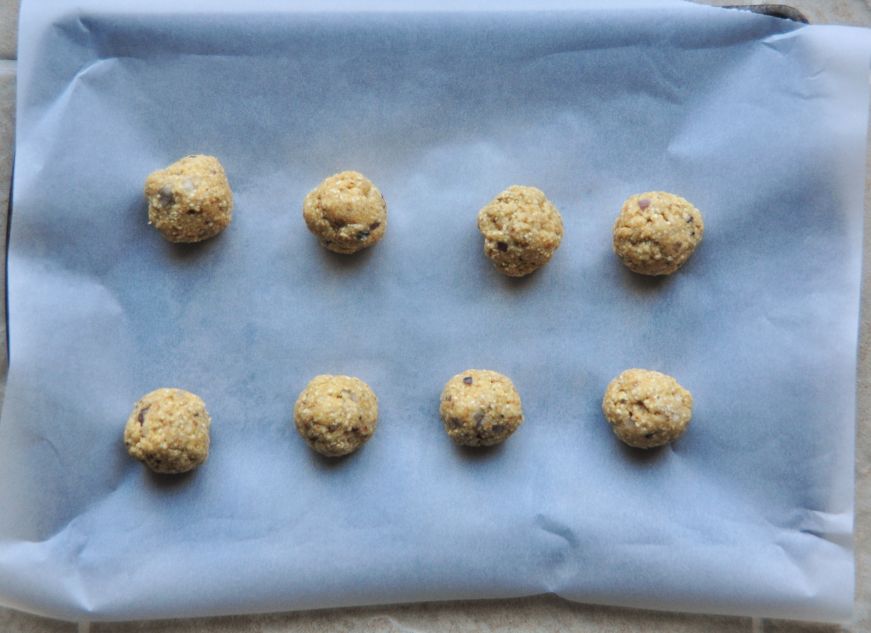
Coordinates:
169 431
190 200
480 408
647 408
656 232
336 415
346 212
521 230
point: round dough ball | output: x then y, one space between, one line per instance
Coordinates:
656 232
190 200
336 415
521 230
169 431
480 408
346 212
647 408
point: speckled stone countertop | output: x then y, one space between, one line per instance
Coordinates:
543 614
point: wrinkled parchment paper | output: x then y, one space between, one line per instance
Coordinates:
759 122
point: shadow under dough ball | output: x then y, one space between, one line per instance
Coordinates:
647 408
522 229
336 415
656 232
168 431
346 212
480 408
191 200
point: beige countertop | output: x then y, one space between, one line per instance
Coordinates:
539 614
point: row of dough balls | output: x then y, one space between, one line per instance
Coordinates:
655 233
168 429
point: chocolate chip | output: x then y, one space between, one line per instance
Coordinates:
165 197
362 235
643 203
141 416
647 436
374 225
454 423
497 429
502 246
479 418
467 380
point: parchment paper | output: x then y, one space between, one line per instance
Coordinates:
758 121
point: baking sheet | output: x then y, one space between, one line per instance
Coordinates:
760 122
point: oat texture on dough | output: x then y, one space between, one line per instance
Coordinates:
346 212
168 431
480 407
522 229
656 232
190 200
647 408
336 415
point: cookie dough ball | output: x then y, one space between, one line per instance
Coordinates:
521 230
336 415
346 212
190 200
169 431
480 408
656 232
647 408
